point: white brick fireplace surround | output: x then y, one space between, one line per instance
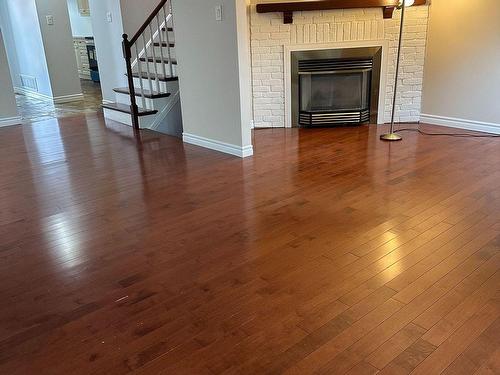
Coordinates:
272 42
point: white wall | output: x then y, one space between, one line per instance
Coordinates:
59 50
81 26
38 50
212 55
134 13
462 69
108 42
23 41
8 110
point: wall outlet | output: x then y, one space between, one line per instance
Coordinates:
109 17
218 13
50 20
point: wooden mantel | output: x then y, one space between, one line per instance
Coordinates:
287 8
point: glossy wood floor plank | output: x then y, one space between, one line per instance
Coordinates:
327 252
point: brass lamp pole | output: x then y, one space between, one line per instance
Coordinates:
392 135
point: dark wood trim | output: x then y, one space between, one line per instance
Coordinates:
287 17
388 12
287 8
159 60
127 55
124 108
160 77
147 94
164 44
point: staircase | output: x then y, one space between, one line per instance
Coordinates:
153 89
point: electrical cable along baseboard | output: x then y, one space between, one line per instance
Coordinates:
458 135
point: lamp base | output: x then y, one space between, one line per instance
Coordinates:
391 137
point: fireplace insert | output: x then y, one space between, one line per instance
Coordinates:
336 89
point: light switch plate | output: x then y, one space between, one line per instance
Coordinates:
218 13
50 20
109 17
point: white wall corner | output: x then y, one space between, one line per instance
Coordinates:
245 71
240 151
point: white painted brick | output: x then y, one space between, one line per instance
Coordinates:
280 35
262 100
275 82
263 113
272 118
413 69
262 76
271 69
261 89
261 36
269 29
260 50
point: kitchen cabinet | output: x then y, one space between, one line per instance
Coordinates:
82 57
84 8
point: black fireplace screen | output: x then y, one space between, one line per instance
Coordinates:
334 91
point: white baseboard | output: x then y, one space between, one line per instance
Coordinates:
32 94
212 144
54 99
487 127
67 98
8 121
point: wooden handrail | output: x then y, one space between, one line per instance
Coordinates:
127 54
147 22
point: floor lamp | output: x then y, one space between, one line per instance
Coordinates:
392 135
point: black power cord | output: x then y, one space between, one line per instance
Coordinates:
458 135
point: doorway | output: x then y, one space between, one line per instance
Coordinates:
54 68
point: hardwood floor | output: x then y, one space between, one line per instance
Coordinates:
328 252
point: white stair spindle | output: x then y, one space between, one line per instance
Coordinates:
169 56
148 72
157 80
139 64
161 43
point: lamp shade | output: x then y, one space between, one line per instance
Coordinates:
409 3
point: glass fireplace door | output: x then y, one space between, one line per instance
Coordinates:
333 92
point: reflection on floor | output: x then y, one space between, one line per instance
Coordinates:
32 110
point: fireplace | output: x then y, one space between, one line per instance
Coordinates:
335 87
